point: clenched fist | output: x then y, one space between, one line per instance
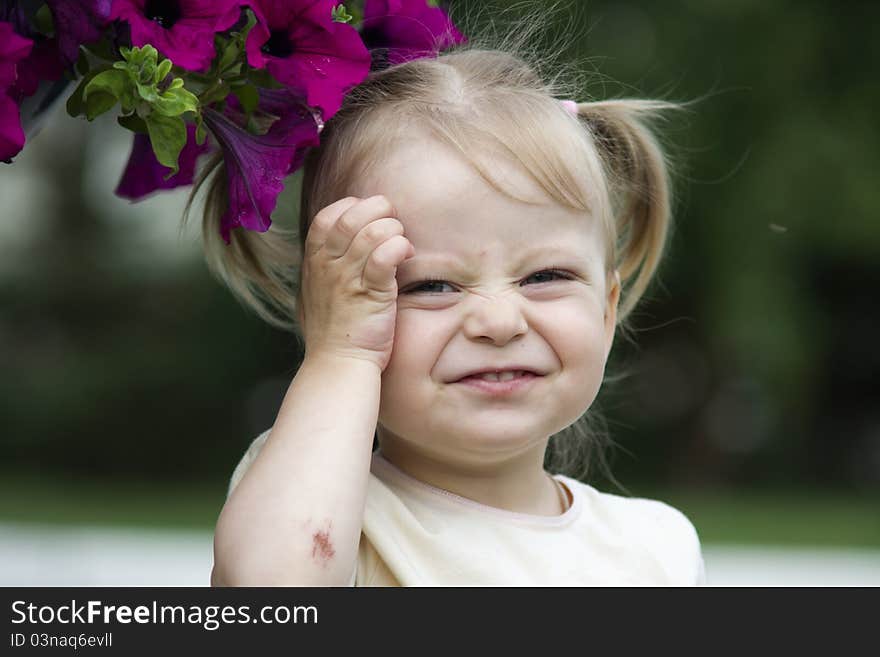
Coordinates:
348 298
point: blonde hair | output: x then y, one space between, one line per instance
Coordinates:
604 161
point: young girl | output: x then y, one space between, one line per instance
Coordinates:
469 244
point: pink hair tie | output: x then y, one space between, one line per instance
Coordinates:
571 106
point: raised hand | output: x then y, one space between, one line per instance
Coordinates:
348 299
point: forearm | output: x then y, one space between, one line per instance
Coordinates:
295 518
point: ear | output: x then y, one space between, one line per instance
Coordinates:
612 283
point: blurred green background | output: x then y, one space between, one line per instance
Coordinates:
132 381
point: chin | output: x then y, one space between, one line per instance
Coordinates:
499 434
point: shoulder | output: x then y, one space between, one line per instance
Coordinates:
650 524
650 515
246 460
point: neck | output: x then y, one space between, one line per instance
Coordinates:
518 483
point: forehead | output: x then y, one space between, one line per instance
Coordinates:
445 205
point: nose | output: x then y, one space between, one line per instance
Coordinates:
495 318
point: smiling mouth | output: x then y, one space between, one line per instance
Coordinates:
496 377
485 384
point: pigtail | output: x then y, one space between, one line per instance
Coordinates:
639 187
261 269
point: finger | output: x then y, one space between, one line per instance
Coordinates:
381 266
352 221
323 222
371 236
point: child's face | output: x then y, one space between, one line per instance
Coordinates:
491 311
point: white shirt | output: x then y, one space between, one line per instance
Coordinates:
415 534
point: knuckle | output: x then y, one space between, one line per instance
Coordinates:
373 232
323 217
380 257
383 254
380 229
383 204
343 204
327 215
346 224
321 222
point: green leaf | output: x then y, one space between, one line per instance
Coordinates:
130 103
104 90
357 13
168 137
233 71
97 103
340 15
217 91
147 56
147 74
75 105
201 132
248 96
262 78
113 82
133 122
259 123
82 63
148 92
175 101
104 48
162 71
229 56
241 35
43 21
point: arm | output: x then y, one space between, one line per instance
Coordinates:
295 517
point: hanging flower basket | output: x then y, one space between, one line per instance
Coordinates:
256 79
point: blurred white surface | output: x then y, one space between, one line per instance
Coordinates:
84 556
33 555
780 566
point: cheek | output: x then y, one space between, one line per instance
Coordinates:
418 341
576 334
575 330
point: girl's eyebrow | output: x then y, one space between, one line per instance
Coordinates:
546 251
564 251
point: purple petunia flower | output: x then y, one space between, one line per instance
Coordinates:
44 63
257 164
13 49
144 175
182 30
407 29
298 42
77 22
17 14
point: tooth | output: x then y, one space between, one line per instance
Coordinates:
489 376
506 376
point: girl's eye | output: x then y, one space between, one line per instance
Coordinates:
425 285
553 273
